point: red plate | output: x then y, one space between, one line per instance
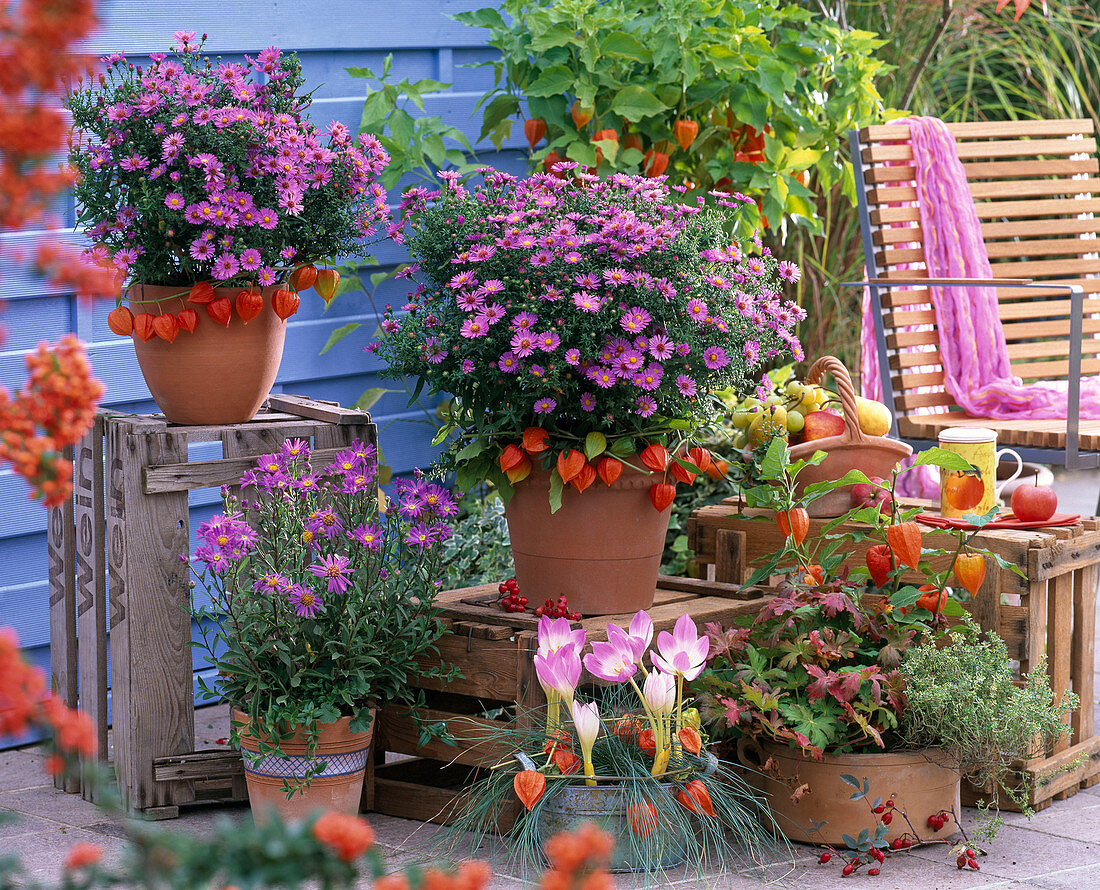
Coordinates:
1008 521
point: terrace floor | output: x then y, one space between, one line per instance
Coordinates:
1058 848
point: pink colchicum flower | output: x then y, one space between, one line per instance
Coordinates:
586 718
559 671
682 652
659 693
640 634
613 660
556 633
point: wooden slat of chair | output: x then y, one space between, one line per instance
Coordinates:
1021 188
988 130
1029 433
978 171
991 232
996 210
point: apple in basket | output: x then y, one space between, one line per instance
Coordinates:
1034 503
822 425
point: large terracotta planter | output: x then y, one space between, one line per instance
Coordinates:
921 783
338 788
217 374
851 450
602 549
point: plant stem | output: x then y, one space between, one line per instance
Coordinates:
926 54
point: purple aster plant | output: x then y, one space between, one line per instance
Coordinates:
314 587
611 306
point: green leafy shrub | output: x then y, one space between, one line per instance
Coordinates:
766 90
965 699
478 552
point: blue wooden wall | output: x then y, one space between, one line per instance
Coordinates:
329 36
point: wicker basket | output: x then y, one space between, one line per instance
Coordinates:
851 450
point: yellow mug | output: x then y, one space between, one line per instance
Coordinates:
973 493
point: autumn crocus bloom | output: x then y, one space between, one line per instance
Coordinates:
659 693
558 672
641 635
586 718
613 660
556 633
682 652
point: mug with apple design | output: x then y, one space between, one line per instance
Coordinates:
977 492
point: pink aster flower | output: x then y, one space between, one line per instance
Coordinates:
751 351
697 309
508 363
334 569
686 385
225 266
714 357
545 406
250 259
305 602
588 402
475 327
548 341
646 406
523 344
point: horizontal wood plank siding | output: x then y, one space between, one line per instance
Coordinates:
329 36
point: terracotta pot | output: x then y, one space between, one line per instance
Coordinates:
339 787
602 549
217 374
922 785
851 450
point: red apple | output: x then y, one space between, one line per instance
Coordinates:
822 425
1034 503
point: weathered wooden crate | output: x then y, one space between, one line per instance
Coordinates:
493 650
115 547
1050 610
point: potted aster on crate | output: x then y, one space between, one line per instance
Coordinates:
861 693
631 758
316 607
205 187
582 327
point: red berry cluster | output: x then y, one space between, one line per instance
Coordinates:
510 598
968 859
938 820
560 609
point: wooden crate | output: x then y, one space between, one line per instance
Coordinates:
494 650
115 548
1050 610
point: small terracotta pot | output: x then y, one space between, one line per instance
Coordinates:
602 549
338 788
217 374
920 781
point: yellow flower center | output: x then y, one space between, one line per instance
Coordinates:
307 536
307 599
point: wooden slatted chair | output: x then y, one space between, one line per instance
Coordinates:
1033 184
